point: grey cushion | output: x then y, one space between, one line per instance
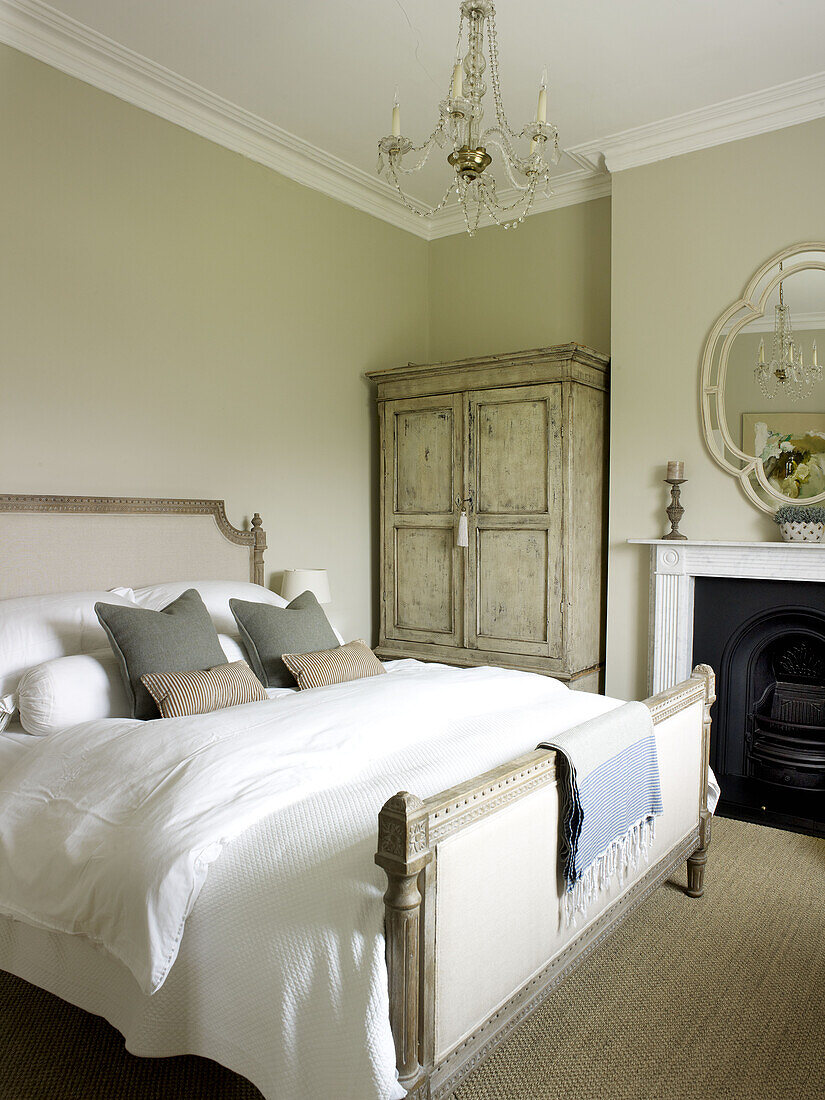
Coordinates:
267 631
180 638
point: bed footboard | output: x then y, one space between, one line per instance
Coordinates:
474 938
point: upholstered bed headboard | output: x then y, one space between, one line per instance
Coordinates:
64 544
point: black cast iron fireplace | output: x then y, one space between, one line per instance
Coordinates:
766 640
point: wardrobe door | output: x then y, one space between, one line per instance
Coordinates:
514 470
422 583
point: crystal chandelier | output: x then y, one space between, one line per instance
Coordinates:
460 129
786 373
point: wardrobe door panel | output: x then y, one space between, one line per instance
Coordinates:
513 441
423 579
514 470
424 461
512 585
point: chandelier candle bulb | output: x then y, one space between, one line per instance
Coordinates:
761 352
675 470
541 109
396 117
458 80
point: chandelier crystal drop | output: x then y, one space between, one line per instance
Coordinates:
459 128
786 374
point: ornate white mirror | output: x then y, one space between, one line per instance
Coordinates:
763 391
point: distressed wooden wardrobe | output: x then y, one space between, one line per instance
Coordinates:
519 443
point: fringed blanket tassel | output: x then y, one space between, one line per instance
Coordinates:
620 859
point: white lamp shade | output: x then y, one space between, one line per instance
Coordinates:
297 581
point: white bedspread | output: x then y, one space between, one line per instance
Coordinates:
108 830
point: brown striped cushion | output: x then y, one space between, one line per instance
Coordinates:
181 693
353 661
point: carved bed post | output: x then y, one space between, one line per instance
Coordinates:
697 861
258 547
403 851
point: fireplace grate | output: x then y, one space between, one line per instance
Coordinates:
786 735
799 704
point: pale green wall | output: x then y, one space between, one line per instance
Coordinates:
688 233
179 321
547 282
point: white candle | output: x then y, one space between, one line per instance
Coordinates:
761 352
541 109
814 351
675 470
458 80
396 117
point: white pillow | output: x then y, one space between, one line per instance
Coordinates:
68 690
34 629
232 648
61 693
215 595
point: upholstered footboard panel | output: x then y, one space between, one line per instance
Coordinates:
480 903
496 912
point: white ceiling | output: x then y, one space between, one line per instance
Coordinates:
326 71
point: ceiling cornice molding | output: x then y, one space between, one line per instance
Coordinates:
50 36
66 44
745 116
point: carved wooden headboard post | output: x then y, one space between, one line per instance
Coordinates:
258 548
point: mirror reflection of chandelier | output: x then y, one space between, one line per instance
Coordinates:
459 129
786 374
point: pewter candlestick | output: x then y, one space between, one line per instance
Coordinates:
674 510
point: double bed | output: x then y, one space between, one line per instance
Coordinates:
282 962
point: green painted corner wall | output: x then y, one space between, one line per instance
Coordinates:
547 282
180 321
688 234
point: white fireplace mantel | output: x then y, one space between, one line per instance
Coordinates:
674 566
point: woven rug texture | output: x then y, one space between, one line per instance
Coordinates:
722 997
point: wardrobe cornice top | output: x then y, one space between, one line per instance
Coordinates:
564 362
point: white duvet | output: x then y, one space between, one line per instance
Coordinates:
108 830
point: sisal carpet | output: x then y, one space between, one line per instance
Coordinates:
689 1000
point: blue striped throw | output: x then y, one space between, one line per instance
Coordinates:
609 782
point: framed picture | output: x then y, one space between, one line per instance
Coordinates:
792 449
